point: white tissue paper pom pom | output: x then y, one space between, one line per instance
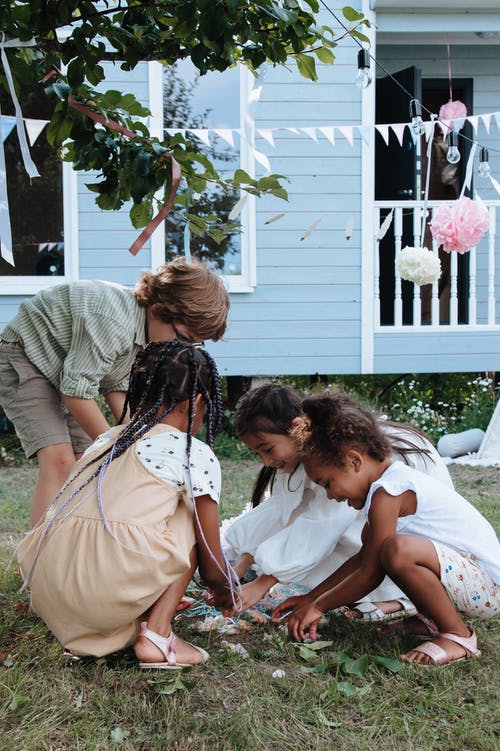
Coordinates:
418 265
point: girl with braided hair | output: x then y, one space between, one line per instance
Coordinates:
439 549
110 563
297 537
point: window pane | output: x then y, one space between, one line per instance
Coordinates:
36 210
209 101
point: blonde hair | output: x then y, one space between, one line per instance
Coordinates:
190 293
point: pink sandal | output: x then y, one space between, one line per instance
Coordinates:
166 645
404 627
438 654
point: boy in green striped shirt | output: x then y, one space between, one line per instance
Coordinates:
74 341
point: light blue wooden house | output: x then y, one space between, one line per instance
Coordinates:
313 285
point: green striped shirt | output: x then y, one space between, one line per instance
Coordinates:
82 336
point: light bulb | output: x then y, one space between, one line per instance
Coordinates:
363 77
417 124
453 154
484 169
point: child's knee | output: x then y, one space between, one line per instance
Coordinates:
394 552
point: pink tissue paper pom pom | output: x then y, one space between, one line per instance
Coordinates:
460 227
453 110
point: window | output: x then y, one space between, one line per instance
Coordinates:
215 101
39 243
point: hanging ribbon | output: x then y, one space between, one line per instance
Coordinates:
468 171
5 226
176 172
427 183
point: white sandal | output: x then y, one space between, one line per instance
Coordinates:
166 645
370 613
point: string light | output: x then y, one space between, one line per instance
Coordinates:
363 78
453 154
484 166
417 123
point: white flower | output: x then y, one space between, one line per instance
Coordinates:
279 674
418 265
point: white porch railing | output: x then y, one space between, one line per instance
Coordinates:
468 294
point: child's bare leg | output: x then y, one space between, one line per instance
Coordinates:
413 564
55 463
160 620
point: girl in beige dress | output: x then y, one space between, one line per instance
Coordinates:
110 563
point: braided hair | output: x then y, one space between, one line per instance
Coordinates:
163 375
270 408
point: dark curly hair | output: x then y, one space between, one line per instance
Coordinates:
333 422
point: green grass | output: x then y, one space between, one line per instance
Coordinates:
341 697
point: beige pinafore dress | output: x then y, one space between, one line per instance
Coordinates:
90 585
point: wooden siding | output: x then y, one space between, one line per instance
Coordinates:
304 315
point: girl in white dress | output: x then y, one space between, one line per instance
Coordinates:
297 536
110 563
441 551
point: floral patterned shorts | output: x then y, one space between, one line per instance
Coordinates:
470 588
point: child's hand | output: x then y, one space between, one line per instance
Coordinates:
221 599
303 623
290 606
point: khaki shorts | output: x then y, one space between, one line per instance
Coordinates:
470 588
34 406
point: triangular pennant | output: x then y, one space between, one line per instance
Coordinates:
34 128
329 134
495 184
385 225
348 227
8 124
267 135
310 229
238 206
202 134
41 246
366 133
496 115
486 118
384 132
262 159
226 134
311 132
398 130
474 121
292 130
173 131
347 132
275 218
429 128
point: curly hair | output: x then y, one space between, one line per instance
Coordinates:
190 293
333 422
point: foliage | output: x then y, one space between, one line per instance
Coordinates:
73 39
438 403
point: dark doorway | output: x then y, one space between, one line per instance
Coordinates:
400 174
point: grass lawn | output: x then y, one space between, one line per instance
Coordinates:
353 695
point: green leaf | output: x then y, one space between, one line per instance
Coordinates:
357 667
395 666
350 690
141 213
359 35
119 734
306 653
17 701
351 14
307 66
8 662
325 721
317 645
325 55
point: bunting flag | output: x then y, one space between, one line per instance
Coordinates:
34 128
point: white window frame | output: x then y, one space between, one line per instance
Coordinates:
30 285
246 280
